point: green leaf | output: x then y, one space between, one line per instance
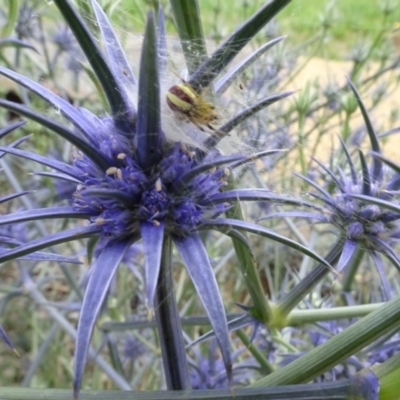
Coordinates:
247 263
339 390
113 91
338 348
190 30
16 43
225 53
13 7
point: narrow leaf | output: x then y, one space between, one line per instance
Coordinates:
102 273
11 197
57 165
69 111
233 325
225 53
379 202
42 213
377 165
16 43
294 214
258 195
223 84
366 188
255 157
9 128
225 224
149 134
41 256
330 173
50 240
387 161
61 130
162 42
188 22
152 237
6 339
316 186
387 250
202 275
180 184
349 248
119 64
120 109
215 138
389 132
349 161
387 291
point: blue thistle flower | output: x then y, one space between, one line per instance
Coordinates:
132 183
364 207
27 26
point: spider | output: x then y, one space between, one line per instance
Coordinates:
191 106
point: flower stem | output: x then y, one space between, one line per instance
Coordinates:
257 354
168 325
351 269
338 348
298 317
248 266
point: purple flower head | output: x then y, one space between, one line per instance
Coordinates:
121 198
362 204
357 206
65 40
66 43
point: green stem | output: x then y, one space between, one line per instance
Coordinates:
13 8
338 348
388 374
248 266
296 317
347 389
299 317
256 353
346 127
304 287
352 269
168 325
301 143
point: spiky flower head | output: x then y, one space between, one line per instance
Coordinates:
362 203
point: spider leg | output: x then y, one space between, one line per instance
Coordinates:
198 126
